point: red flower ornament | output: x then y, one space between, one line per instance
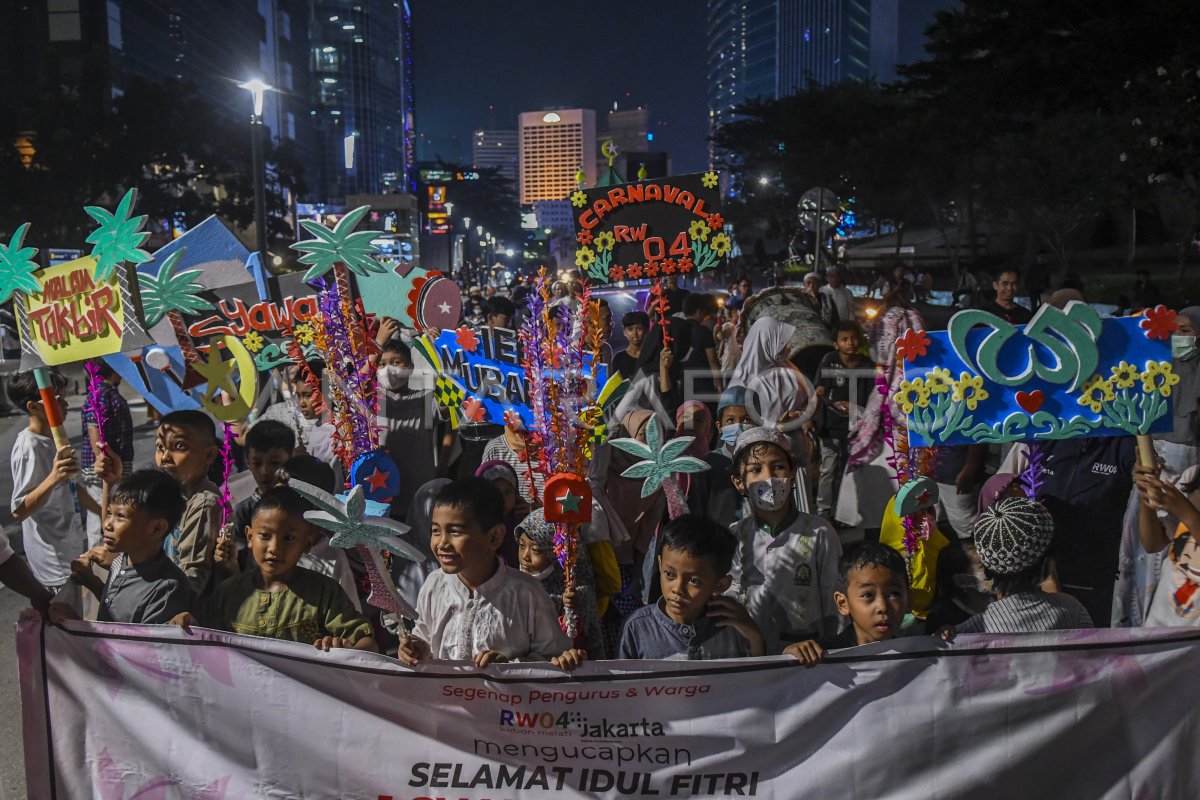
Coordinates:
912 344
1159 322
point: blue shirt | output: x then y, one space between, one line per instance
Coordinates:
650 634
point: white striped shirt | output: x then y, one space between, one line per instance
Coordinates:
1029 612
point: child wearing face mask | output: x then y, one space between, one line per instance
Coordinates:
712 492
786 568
413 434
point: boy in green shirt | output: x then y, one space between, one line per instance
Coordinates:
277 598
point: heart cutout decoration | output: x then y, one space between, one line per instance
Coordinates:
1031 401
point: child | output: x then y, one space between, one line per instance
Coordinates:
504 478
144 586
411 433
535 542
269 444
277 598
839 387
117 434
511 447
873 592
693 620
635 324
1176 601
786 569
44 498
476 608
185 447
712 491
318 430
1013 539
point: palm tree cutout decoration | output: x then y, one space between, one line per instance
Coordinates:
662 463
351 526
17 266
340 249
119 237
170 294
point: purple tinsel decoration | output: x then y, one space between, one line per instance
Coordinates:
99 414
226 501
347 367
887 424
1031 478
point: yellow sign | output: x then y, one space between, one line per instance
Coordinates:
75 317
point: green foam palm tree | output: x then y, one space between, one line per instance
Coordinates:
170 294
339 249
17 266
119 237
661 462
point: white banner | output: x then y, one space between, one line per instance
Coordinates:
120 712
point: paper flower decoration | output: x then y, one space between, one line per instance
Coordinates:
118 238
661 461
710 180
17 266
339 246
912 344
474 410
578 199
1159 322
466 339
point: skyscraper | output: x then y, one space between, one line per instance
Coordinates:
361 90
741 62
496 149
822 42
554 145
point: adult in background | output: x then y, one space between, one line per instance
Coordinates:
1006 282
696 349
821 303
835 289
1178 447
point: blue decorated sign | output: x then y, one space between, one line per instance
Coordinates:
1067 374
486 365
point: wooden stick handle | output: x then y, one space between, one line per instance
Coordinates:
1145 451
50 402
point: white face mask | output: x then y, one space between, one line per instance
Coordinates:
393 377
771 494
1183 347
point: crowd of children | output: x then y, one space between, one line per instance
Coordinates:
746 571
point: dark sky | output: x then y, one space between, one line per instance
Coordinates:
523 55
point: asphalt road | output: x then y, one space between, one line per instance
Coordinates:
12 765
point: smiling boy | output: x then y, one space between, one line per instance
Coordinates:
475 608
184 448
277 598
144 586
692 620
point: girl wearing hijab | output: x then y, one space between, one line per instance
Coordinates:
867 484
535 538
502 475
777 385
657 369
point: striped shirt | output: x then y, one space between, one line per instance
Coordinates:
1029 612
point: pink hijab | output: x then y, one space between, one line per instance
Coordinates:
703 423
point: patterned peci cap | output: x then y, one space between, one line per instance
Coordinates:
1013 535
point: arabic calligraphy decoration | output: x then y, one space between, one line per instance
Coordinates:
1066 374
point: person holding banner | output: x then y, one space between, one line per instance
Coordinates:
45 497
475 608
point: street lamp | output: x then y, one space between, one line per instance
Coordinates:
257 89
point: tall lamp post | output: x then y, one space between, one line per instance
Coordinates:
257 89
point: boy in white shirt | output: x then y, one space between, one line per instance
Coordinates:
786 568
476 608
44 499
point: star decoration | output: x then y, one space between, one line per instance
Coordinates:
377 480
569 502
444 308
217 374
